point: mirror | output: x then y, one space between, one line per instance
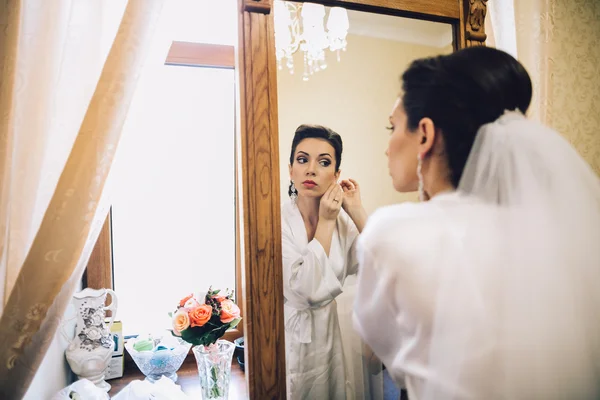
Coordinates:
351 92
264 328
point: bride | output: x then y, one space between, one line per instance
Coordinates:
325 358
490 289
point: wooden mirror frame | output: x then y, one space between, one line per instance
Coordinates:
259 150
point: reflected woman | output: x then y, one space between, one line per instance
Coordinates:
320 225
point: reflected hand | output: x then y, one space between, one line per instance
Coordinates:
331 202
352 200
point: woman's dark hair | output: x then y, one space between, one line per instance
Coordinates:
461 92
316 132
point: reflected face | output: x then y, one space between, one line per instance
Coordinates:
313 169
402 151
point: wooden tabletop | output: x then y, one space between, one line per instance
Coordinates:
187 378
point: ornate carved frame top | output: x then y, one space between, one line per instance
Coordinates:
475 27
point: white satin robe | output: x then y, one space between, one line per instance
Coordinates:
402 252
434 302
316 365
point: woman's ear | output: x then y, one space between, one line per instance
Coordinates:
338 174
426 132
290 169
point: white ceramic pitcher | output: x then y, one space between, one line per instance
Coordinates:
89 353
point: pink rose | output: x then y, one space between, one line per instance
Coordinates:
181 321
219 298
229 311
191 304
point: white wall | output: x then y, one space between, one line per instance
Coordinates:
353 97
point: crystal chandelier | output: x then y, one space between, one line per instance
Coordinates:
301 27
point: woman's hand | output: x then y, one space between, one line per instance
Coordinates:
353 204
331 202
352 199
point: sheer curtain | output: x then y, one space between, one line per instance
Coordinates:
69 69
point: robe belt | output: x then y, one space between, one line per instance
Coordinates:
300 322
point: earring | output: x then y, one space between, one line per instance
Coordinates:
293 191
420 176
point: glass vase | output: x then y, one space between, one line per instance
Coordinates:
214 368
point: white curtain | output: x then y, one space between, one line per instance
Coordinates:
68 72
61 49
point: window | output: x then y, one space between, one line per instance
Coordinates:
173 208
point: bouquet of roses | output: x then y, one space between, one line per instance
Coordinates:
202 321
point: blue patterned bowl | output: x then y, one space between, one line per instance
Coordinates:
157 363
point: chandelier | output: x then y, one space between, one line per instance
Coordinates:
301 27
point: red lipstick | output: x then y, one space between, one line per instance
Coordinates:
309 184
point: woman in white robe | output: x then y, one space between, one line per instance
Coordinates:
488 290
320 225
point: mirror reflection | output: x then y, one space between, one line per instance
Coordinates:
333 107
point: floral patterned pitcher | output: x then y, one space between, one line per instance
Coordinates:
89 353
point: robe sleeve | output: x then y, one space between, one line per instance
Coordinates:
376 314
352 256
396 290
307 273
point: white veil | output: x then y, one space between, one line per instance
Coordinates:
518 308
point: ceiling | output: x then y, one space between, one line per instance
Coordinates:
400 29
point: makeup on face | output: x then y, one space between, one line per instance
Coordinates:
314 166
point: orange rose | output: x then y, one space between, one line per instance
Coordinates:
200 315
229 311
186 298
181 321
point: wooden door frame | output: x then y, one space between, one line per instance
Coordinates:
258 130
